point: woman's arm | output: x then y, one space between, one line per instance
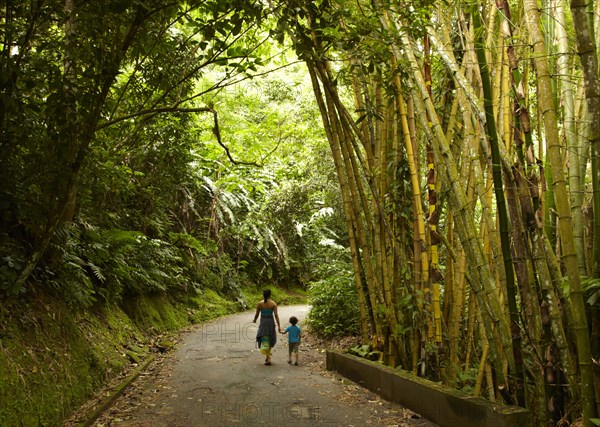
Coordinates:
257 312
277 318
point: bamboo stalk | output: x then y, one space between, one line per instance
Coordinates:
349 215
485 349
569 255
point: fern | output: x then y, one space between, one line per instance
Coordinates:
122 237
97 272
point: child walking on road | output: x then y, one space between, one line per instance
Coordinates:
294 333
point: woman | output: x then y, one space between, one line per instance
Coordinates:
266 336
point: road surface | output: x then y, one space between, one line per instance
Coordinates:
217 377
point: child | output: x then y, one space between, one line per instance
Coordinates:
293 339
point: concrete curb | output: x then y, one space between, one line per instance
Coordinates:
107 402
442 405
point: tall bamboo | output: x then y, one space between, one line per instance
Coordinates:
501 212
587 51
364 151
472 139
465 224
482 284
371 252
350 220
421 254
576 191
435 330
569 255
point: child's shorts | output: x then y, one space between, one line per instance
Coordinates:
293 346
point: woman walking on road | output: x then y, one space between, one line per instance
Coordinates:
266 337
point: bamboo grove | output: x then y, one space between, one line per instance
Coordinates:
465 141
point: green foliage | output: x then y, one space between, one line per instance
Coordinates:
106 265
365 351
265 217
466 379
112 181
591 289
334 303
95 111
110 263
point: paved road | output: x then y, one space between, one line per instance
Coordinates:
217 378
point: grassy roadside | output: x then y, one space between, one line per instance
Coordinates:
53 358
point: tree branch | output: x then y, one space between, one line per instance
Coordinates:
217 133
153 111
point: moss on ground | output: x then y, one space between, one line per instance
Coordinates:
210 305
158 313
53 358
281 296
48 365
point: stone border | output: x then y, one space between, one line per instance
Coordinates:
114 394
442 405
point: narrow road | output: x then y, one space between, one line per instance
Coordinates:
216 377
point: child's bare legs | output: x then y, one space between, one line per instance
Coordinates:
294 351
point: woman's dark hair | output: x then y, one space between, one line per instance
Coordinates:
267 294
293 320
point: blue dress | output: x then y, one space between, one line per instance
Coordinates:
266 328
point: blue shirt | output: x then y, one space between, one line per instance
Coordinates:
294 333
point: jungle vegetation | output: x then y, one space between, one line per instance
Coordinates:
437 162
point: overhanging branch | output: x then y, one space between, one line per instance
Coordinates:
154 111
217 133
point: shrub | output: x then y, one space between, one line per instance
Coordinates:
334 305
